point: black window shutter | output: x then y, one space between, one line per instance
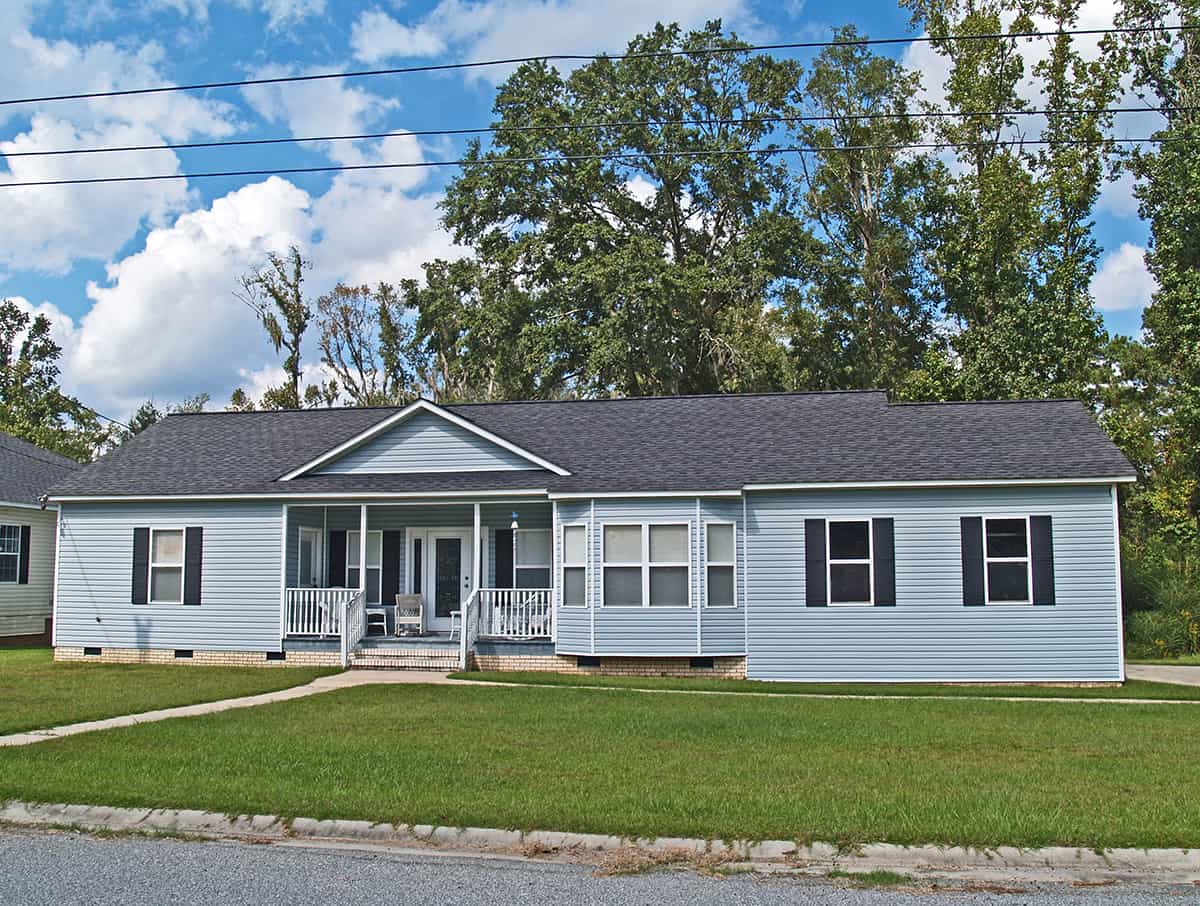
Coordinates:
393 545
193 563
815 594
337 558
23 557
883 541
504 560
1041 545
141 564
972 560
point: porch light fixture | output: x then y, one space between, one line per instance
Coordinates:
515 524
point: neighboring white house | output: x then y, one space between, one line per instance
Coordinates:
816 537
27 535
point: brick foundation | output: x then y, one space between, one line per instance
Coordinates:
199 658
723 667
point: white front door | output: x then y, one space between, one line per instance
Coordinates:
448 582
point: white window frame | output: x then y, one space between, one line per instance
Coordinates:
645 565
571 564
362 566
181 565
869 561
16 556
1027 560
548 567
708 561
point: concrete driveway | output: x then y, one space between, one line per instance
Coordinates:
1164 673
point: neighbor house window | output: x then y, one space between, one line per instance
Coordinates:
532 562
1006 560
647 565
10 553
374 559
719 581
850 567
574 565
166 566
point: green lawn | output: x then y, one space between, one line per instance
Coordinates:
967 772
1130 689
36 692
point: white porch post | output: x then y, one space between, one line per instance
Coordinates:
283 520
475 560
362 548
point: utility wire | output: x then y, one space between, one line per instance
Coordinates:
570 127
573 158
477 64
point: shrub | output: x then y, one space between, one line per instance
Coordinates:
1161 590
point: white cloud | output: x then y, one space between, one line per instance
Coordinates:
48 227
166 324
326 107
498 29
377 36
1123 283
281 13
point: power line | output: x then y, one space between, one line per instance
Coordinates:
572 127
574 158
580 58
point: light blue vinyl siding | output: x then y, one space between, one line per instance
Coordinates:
651 631
425 443
929 635
574 624
241 594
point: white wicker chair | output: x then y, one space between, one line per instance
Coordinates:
409 614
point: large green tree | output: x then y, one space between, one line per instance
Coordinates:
1166 72
658 269
866 313
1013 252
32 405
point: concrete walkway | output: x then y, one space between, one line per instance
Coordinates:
343 680
1164 673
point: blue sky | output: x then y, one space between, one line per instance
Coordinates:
138 279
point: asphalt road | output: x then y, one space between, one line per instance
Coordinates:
60 869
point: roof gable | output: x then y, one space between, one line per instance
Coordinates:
423 437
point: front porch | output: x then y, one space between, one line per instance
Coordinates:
462 571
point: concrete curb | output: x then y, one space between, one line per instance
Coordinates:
1056 862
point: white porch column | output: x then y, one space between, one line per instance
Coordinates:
283 556
475 558
362 548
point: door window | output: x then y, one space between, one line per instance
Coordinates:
447 576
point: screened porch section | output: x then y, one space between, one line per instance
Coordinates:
423 569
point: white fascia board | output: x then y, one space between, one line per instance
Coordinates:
26 506
613 495
407 412
299 499
967 483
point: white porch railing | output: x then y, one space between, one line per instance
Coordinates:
516 613
315 611
354 624
469 631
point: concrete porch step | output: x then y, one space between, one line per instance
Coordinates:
439 659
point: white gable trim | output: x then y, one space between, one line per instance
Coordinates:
421 405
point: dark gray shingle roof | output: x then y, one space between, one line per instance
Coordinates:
27 472
653 444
